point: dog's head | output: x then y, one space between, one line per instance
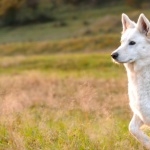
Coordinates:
135 40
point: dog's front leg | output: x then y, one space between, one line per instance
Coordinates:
134 128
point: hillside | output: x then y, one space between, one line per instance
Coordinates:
75 30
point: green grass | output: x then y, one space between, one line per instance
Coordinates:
98 65
41 128
101 43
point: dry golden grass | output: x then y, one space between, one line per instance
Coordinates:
48 112
19 92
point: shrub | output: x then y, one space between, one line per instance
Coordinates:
20 12
134 3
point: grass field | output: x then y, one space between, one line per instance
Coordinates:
44 111
59 89
74 101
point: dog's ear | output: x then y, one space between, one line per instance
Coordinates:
143 25
127 23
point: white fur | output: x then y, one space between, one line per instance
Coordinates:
136 59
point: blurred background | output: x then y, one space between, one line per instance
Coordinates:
59 89
51 20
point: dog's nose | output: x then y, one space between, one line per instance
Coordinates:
114 55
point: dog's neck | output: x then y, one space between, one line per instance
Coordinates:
131 73
138 66
138 71
138 82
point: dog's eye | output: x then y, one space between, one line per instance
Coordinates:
132 43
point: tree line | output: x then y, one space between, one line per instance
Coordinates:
21 12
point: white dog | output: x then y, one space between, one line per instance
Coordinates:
134 53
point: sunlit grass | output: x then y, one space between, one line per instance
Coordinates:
98 65
42 111
41 127
39 111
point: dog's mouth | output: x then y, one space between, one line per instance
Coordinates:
123 61
130 61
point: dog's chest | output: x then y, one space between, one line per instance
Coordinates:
139 94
